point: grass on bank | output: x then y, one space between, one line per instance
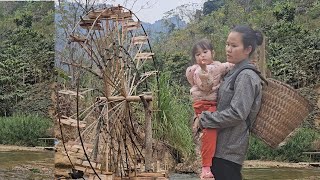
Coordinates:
172 120
290 152
24 130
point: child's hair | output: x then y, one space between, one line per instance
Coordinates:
202 44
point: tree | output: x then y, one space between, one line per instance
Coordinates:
284 11
26 57
212 5
24 20
293 50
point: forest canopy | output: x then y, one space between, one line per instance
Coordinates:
26 57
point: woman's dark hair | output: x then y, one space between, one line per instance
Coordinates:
250 37
202 44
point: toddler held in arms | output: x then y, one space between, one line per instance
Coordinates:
205 77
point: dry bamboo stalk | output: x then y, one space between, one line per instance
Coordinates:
148 133
93 55
128 98
83 67
107 159
262 58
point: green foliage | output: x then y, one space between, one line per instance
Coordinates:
36 101
27 56
259 150
171 122
22 65
24 20
284 11
23 129
176 63
291 151
301 142
314 11
294 54
311 94
211 6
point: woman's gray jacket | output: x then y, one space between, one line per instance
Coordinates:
234 108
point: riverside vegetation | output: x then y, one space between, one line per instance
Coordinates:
26 71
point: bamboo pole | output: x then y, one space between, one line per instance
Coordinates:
259 58
128 98
148 133
262 58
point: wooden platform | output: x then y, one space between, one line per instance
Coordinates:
46 148
315 164
311 154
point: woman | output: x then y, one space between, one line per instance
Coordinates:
237 106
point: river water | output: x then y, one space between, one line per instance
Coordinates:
266 174
19 165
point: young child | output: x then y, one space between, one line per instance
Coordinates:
205 77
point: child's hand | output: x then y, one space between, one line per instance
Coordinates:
203 65
195 126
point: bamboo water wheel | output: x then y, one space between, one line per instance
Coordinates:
114 131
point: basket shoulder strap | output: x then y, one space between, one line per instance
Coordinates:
234 80
243 68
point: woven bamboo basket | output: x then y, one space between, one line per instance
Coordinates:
282 110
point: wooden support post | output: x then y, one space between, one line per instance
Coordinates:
127 98
262 58
107 156
259 58
148 133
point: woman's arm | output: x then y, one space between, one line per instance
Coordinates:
246 89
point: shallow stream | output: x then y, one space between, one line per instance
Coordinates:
26 165
40 166
266 174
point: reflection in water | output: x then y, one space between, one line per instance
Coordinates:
266 174
26 165
281 173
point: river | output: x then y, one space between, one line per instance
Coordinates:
19 165
266 174
40 166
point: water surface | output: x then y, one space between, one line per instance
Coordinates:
266 174
40 166
26 165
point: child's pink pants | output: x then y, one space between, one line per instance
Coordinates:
209 136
